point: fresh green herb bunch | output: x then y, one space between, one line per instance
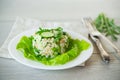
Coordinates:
107 26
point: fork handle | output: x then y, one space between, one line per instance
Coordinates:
105 56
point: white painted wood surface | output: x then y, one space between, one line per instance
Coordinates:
60 10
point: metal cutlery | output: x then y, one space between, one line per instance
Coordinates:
103 37
95 36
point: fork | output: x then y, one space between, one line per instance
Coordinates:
95 36
89 23
103 37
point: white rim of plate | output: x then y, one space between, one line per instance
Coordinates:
50 67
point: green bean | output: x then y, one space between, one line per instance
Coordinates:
107 26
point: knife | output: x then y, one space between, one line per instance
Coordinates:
94 35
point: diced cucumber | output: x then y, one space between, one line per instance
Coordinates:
47 34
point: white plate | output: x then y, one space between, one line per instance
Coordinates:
18 56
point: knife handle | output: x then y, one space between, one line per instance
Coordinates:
105 56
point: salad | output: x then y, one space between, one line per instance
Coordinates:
51 46
50 43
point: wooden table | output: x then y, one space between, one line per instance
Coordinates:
95 68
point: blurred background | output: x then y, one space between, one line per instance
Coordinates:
57 9
53 10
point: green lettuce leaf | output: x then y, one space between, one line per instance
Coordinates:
75 48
